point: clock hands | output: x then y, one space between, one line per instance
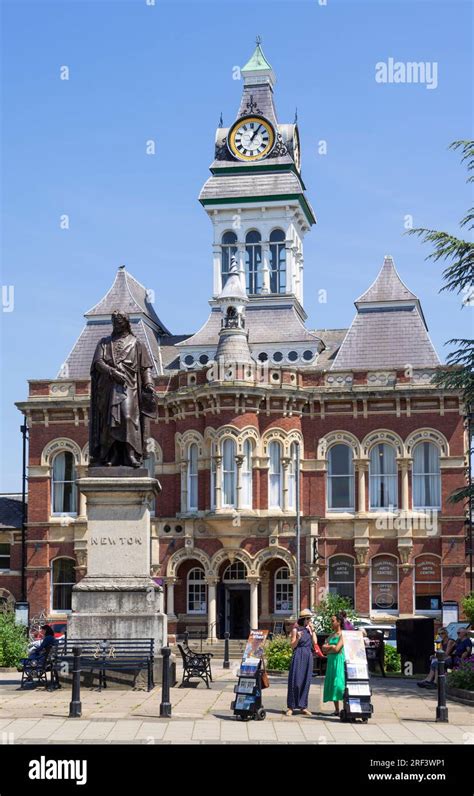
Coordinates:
255 133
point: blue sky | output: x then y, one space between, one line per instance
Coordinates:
165 72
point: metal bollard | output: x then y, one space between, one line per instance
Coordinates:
226 650
75 706
441 709
165 705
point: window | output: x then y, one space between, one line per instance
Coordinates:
426 476
341 478
64 484
197 600
384 583
246 475
341 577
427 583
383 477
292 477
193 477
4 556
229 474
228 249
235 571
253 261
277 262
283 591
275 475
63 578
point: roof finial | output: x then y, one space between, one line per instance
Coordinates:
258 40
296 116
221 121
121 268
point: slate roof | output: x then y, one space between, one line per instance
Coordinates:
259 184
10 511
129 295
389 330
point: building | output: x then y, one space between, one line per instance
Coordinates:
246 401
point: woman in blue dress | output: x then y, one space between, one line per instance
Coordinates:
302 641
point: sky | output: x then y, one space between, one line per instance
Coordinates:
375 158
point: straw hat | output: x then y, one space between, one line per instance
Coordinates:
305 614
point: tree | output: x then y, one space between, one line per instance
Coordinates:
458 277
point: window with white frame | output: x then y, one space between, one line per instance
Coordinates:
340 478
291 475
341 577
246 475
197 592
277 261
228 250
383 477
63 578
5 555
64 489
253 261
426 476
229 466
275 475
235 571
192 477
384 577
283 591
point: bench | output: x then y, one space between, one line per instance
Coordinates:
195 664
38 668
113 655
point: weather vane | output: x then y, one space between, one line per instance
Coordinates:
258 40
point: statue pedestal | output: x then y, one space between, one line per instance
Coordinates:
118 598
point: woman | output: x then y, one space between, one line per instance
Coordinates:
447 645
302 640
335 680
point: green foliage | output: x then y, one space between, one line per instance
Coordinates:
331 604
462 677
467 604
392 659
13 640
278 653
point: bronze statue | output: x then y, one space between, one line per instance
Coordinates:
122 397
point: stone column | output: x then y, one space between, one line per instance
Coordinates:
404 468
266 268
241 261
238 486
218 460
217 260
184 486
265 595
211 608
170 584
362 468
82 507
284 463
253 602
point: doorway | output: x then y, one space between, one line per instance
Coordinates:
237 610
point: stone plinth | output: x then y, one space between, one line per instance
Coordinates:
118 598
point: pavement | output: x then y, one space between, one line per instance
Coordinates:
403 714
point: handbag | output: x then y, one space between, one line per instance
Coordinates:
264 678
317 650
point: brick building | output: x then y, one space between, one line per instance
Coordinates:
249 402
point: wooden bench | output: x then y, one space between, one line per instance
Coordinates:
111 655
195 664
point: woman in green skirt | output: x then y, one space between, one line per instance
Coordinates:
335 679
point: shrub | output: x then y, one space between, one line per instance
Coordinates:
13 640
331 604
463 677
392 659
278 653
467 604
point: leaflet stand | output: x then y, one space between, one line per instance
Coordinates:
248 701
357 692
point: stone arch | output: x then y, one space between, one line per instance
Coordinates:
231 555
269 553
61 445
383 435
338 438
187 553
85 454
294 436
274 434
251 433
7 599
154 447
427 435
183 441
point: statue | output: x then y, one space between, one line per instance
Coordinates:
122 398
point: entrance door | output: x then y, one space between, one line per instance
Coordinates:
238 611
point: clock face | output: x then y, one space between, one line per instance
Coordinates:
251 138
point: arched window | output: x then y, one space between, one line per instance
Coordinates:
253 261
427 583
246 475
383 477
193 477
341 577
292 477
384 572
283 591
197 599
277 262
228 249
426 476
228 473
235 571
64 497
275 475
340 478
63 578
